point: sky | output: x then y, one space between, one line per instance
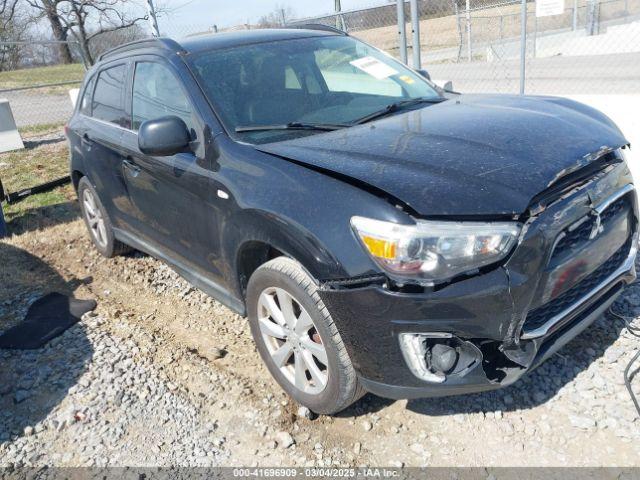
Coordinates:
187 15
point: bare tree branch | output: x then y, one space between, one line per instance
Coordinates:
87 20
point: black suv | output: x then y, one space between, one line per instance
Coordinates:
380 233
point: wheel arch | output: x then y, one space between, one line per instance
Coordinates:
76 175
251 255
269 237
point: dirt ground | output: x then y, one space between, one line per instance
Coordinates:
571 411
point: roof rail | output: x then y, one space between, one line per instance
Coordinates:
318 26
166 43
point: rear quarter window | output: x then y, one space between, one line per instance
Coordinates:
108 96
85 102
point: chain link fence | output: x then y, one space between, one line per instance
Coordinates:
592 47
37 73
35 76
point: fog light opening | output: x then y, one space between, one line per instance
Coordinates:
442 358
433 357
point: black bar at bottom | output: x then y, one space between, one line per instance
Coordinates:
20 195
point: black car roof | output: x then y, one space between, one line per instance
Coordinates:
214 41
246 37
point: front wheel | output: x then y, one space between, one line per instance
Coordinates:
297 338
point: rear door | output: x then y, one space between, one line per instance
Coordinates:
100 140
171 195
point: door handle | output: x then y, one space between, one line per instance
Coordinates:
132 167
86 140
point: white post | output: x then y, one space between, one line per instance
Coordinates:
468 15
9 135
339 20
523 44
402 31
153 21
415 23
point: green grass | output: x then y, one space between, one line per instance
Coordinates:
42 129
30 167
41 75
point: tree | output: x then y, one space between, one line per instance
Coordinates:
86 20
279 17
49 10
13 30
107 40
8 10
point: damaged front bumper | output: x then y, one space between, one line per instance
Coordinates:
371 320
502 323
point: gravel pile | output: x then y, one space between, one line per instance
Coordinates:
105 398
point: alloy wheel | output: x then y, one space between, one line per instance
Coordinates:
292 340
94 218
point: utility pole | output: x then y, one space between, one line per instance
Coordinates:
153 21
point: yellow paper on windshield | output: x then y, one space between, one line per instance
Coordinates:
374 67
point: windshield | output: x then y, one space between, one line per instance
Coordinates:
329 80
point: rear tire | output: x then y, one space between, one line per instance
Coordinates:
294 333
98 222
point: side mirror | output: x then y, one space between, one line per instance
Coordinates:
163 136
448 86
424 73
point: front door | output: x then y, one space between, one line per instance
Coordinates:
170 195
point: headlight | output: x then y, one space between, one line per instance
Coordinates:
429 251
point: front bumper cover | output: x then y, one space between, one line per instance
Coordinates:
372 338
488 310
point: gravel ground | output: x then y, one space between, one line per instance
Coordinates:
162 375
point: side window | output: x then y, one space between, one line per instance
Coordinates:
108 97
158 93
85 103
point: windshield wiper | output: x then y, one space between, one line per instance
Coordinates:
394 107
327 127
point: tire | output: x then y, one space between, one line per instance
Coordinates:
93 213
330 387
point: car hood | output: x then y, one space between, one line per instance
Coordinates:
471 155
